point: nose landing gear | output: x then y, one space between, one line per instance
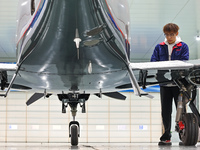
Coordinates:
73 99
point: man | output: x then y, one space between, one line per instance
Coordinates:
171 49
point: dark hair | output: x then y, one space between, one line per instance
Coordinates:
171 27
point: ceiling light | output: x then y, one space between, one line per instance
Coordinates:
198 38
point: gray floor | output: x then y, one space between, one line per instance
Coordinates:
94 146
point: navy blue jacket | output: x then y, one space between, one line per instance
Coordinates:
180 51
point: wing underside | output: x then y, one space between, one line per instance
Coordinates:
164 72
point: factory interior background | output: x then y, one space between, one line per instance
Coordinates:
137 119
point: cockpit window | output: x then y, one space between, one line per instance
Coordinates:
32 7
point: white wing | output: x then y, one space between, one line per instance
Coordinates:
162 65
8 67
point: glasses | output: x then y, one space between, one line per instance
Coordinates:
171 35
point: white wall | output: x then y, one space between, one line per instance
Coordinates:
107 120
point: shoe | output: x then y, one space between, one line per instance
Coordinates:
167 143
181 144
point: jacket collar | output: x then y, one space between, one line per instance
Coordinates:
178 44
163 43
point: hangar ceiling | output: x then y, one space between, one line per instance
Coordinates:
147 20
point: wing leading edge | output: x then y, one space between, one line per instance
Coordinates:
163 65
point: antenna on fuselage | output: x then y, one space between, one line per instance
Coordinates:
77 40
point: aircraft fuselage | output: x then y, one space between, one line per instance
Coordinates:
74 45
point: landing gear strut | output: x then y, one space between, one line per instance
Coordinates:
187 124
73 99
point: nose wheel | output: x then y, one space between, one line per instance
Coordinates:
74 132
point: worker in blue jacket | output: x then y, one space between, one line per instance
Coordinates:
171 49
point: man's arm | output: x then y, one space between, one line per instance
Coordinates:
185 52
155 55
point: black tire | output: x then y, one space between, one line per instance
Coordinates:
74 135
189 135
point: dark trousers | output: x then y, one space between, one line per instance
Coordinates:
167 94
